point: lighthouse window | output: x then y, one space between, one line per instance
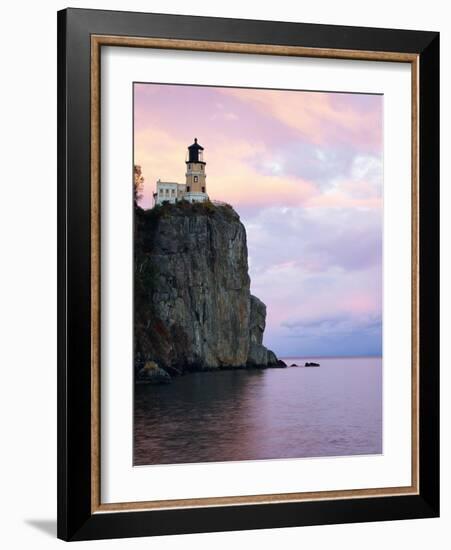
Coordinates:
203 189
189 166
201 166
187 188
196 179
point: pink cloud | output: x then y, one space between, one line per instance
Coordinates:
230 179
343 198
317 116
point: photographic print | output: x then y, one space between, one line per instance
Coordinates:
257 274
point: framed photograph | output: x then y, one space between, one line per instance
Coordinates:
248 274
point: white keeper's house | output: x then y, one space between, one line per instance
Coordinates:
195 188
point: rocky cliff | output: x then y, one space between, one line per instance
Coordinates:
193 306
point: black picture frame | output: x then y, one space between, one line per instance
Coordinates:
76 520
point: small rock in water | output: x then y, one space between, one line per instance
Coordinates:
151 373
293 365
311 364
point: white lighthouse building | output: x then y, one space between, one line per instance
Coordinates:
195 187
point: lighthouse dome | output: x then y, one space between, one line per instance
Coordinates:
195 152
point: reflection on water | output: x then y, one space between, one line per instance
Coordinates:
332 410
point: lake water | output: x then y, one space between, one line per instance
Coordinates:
333 410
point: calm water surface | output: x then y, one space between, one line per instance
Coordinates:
332 410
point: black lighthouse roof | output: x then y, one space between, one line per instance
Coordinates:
193 152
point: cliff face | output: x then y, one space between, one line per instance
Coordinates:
193 307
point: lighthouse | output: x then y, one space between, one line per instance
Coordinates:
195 187
196 178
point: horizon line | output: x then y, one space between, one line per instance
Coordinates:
328 356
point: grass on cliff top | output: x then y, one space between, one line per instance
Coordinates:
185 208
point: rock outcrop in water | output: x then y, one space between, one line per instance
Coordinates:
193 306
258 355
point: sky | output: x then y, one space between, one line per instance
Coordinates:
304 170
